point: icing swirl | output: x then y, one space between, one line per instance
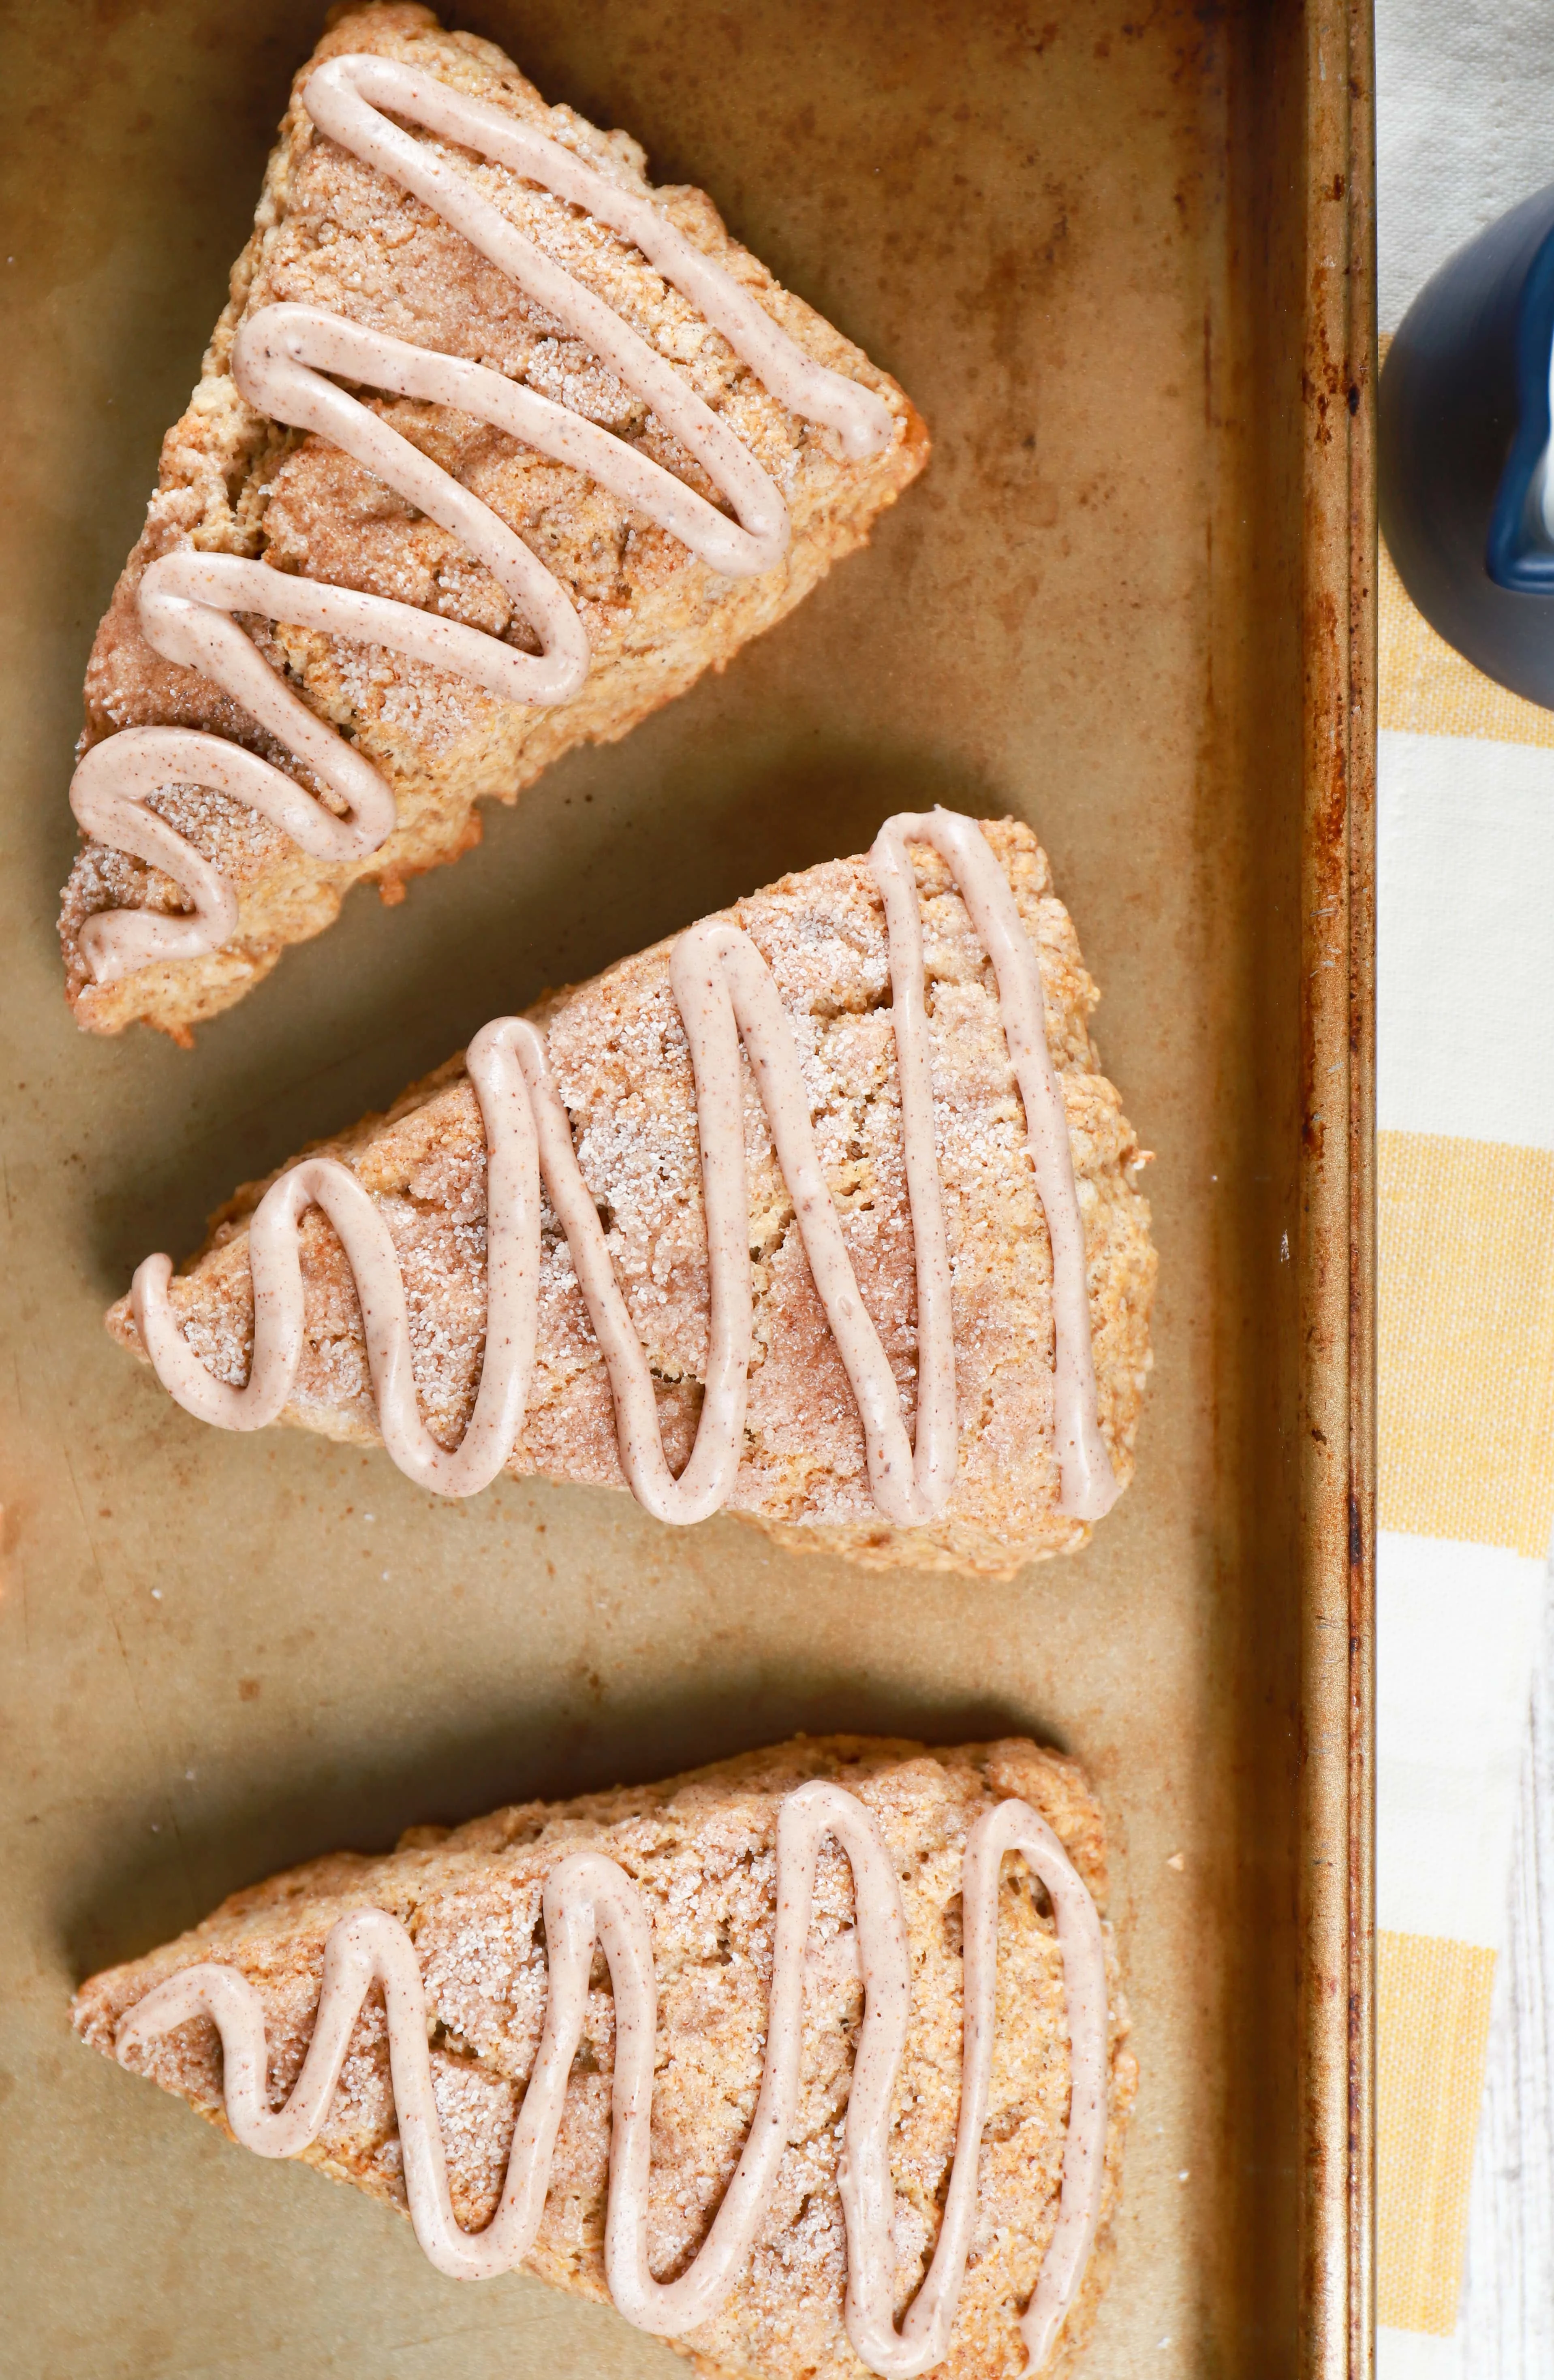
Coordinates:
280 359
725 992
589 1898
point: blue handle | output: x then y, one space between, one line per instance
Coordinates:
1463 439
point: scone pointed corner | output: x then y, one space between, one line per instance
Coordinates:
609 450
843 1425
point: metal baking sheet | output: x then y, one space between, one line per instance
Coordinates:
1118 257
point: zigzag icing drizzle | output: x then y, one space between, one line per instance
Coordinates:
588 1898
724 991
279 360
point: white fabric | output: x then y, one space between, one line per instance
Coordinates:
1506 2322
1413 2355
1460 1626
1465 899
1464 128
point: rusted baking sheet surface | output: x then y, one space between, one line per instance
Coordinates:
1085 239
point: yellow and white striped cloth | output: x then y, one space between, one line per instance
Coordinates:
1466 1175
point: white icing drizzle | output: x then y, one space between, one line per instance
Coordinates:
724 991
589 1898
279 363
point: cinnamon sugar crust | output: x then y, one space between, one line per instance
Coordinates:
621 1062
700 1850
332 232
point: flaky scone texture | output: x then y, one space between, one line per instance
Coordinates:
701 1851
332 232
621 1062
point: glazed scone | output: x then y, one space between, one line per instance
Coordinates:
700 1850
335 234
618 1055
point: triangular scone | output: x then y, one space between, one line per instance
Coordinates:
336 234
702 1853
618 1058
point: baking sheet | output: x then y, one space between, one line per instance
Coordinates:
1081 244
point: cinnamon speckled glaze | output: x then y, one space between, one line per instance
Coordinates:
824 1214
593 448
844 2093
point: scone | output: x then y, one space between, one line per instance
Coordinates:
854 2056
496 448
818 1213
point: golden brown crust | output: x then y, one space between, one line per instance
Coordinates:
700 1850
621 1061
330 232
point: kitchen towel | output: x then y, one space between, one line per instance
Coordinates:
1465 1187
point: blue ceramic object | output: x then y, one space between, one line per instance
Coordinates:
1466 481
